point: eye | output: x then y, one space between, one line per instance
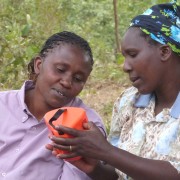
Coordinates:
60 69
132 54
78 79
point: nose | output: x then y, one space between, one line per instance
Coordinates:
66 82
127 66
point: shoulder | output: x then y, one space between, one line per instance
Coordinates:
124 107
92 115
89 111
122 111
15 98
6 96
127 98
9 101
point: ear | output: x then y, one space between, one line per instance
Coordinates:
37 64
165 52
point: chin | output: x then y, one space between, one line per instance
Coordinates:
55 105
144 90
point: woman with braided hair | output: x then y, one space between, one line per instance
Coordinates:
57 75
144 139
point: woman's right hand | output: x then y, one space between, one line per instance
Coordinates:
89 143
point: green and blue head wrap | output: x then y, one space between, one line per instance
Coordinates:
162 23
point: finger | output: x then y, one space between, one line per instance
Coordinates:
68 130
64 141
66 156
94 128
49 147
64 148
88 125
50 134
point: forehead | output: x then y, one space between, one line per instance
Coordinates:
69 55
132 38
67 51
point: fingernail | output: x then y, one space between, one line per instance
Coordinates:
54 153
58 156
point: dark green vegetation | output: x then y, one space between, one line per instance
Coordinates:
25 24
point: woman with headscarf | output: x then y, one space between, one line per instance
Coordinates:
145 127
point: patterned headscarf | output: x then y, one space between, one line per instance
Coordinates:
162 23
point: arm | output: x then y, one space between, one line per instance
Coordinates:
96 169
92 144
141 168
102 171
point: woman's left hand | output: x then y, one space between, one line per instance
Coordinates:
86 165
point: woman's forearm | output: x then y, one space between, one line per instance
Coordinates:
140 168
105 172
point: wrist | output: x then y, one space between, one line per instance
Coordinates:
103 171
95 170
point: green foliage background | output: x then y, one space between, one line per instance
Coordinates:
26 24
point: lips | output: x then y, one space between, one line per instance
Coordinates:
133 79
59 92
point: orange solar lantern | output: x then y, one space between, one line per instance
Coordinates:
72 117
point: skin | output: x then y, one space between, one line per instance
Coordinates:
62 75
151 69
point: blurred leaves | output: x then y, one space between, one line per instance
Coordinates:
26 24
26 30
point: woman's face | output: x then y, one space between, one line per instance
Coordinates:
142 61
61 75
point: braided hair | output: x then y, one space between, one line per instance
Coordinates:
56 40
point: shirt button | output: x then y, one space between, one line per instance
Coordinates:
34 128
17 150
24 118
3 174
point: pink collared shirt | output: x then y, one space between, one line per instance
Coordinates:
23 155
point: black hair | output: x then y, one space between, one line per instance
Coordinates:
56 40
148 38
152 42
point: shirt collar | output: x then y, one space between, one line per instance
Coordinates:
143 101
27 85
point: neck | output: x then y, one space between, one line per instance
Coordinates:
166 96
35 104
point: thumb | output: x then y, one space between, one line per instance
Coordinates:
88 125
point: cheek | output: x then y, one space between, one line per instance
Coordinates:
77 89
49 75
144 68
149 84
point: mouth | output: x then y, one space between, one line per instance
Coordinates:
60 93
133 79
